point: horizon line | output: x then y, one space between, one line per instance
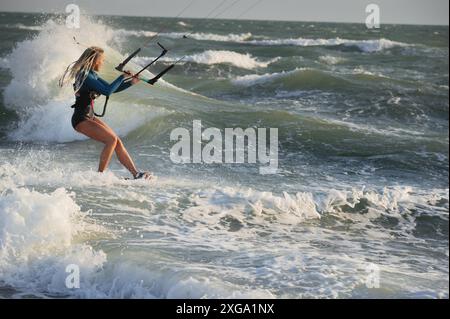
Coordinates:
231 19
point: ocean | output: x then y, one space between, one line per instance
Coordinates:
359 205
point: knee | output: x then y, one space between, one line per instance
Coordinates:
119 142
112 140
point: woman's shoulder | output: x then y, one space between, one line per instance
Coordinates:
93 75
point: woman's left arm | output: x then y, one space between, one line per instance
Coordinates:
125 84
101 86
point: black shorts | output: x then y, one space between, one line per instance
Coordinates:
79 115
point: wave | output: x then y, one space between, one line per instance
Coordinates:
387 131
363 45
38 232
315 78
136 33
254 79
299 207
369 46
39 239
33 93
21 26
4 62
201 36
285 209
35 262
212 57
301 77
331 60
211 36
246 204
34 82
43 234
183 24
362 71
244 61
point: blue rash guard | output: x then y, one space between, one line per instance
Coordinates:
84 97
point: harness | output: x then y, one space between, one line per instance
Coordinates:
84 98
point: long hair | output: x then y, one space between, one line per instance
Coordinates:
80 69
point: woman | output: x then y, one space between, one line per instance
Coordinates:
88 85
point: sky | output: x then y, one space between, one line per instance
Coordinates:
392 11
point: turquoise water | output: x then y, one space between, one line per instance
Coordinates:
362 118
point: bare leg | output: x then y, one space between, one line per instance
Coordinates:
99 133
124 157
121 152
